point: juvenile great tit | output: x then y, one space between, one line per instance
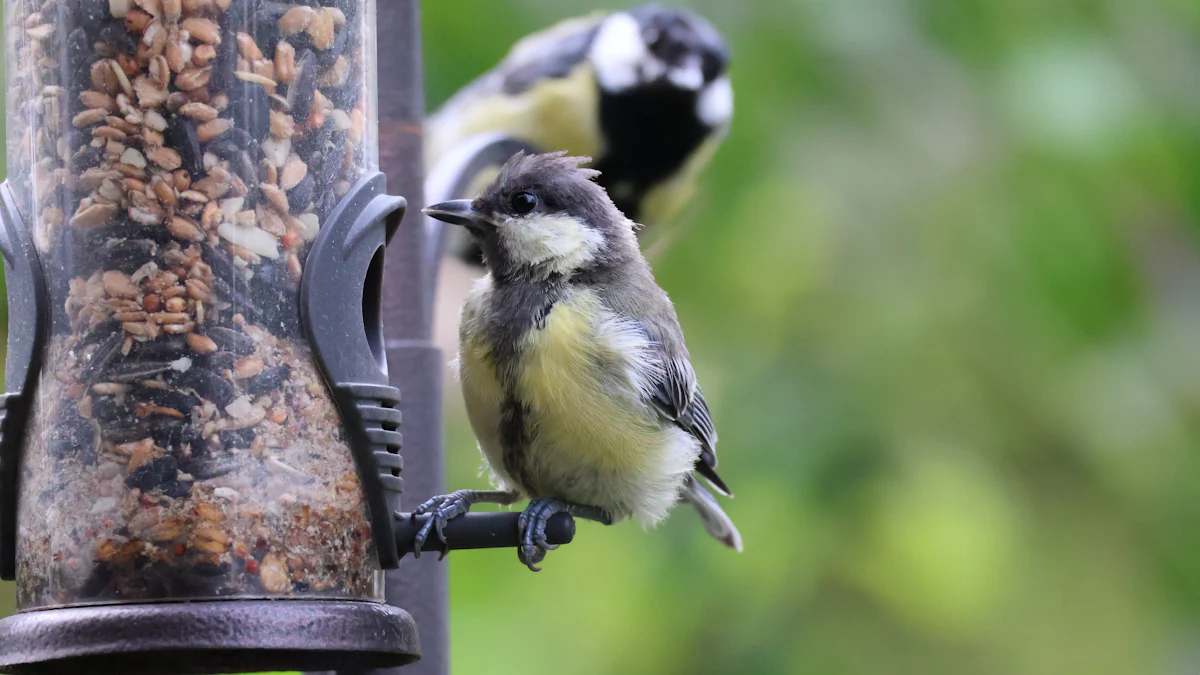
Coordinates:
644 91
573 366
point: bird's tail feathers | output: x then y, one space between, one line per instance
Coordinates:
716 522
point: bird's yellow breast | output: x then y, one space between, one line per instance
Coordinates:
587 425
584 409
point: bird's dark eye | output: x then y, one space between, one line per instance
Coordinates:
524 202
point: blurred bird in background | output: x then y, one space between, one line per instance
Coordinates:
644 91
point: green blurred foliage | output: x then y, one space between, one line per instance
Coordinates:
941 289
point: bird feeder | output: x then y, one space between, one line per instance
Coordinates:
199 451
197 405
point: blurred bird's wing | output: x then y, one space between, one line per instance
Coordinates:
677 396
513 97
549 53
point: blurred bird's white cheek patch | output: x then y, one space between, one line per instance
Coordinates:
689 75
619 56
715 104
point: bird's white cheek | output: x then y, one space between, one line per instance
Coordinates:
561 243
715 105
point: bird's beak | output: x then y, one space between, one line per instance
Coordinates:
458 212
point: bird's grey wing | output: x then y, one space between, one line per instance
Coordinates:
675 392
677 396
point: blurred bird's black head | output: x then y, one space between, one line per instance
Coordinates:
681 39
664 92
543 217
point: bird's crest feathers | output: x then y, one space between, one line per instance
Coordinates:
546 168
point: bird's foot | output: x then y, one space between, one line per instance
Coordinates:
444 508
531 527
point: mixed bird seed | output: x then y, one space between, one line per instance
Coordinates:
174 160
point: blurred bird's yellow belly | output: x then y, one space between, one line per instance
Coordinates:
556 114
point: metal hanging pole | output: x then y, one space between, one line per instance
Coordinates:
414 363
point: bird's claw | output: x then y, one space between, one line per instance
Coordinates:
531 527
530 556
442 509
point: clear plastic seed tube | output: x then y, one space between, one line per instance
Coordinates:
174 159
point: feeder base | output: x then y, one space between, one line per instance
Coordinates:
193 638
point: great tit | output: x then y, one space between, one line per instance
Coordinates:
573 366
644 91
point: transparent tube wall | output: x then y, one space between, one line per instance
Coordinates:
174 159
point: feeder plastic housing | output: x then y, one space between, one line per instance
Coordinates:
196 401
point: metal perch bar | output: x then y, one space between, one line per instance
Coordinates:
479 530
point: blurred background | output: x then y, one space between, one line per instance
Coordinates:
942 287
